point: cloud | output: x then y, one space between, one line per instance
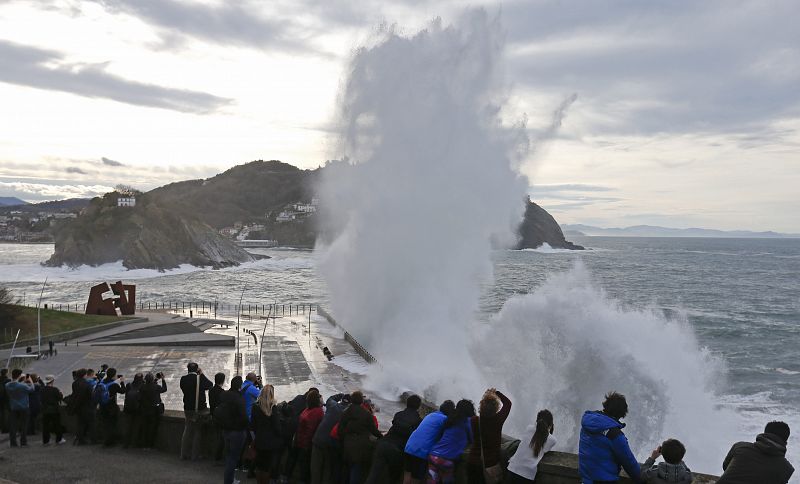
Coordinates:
240 23
570 187
47 69
110 162
75 170
653 67
46 191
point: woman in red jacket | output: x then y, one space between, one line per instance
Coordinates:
310 419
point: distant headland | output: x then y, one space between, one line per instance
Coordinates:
206 222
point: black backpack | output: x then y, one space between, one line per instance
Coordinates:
225 415
133 400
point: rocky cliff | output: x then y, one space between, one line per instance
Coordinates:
539 227
145 236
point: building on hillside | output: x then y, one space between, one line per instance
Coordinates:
126 201
61 216
305 207
285 216
256 227
228 231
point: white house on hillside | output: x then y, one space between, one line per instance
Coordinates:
126 202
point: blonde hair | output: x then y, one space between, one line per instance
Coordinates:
266 399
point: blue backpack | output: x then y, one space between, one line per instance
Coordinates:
100 394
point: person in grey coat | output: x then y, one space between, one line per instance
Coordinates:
672 469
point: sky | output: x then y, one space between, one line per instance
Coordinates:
680 114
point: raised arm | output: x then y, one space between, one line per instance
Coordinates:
506 405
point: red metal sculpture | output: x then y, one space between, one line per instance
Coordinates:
124 299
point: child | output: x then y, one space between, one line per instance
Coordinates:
672 469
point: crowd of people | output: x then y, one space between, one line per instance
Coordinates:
337 440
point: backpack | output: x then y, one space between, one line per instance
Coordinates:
285 414
100 395
225 415
132 400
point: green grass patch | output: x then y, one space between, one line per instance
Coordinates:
52 322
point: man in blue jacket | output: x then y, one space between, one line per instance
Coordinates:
250 391
603 448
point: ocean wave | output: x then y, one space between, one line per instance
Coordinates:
35 272
545 248
352 362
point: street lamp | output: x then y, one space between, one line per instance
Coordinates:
39 316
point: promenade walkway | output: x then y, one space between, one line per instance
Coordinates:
97 465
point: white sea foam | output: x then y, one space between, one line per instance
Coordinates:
352 362
35 272
545 248
435 178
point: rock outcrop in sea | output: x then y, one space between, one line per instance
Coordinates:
539 227
145 236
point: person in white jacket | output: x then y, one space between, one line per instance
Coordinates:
523 464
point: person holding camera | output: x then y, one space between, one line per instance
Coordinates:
18 391
113 385
151 407
194 386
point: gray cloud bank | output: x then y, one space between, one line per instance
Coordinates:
45 69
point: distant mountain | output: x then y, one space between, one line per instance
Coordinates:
11 201
655 231
67 205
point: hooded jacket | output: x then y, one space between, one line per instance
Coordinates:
665 472
762 462
426 435
604 449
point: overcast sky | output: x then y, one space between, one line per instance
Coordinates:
687 113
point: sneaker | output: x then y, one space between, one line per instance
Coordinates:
62 441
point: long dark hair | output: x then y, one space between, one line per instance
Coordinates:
544 427
464 410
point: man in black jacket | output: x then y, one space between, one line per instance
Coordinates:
82 407
214 396
387 460
760 462
232 417
194 386
51 417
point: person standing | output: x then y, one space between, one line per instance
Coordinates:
18 391
487 427
109 409
355 428
325 455
51 415
34 404
310 419
387 462
523 465
132 410
421 441
151 407
82 407
265 424
214 396
232 418
194 386
4 400
763 461
456 436
603 449
250 391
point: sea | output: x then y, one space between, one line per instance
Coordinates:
741 297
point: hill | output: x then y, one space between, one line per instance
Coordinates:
180 223
11 201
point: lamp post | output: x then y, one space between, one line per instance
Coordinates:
238 315
39 317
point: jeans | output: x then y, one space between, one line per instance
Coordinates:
51 423
192 432
18 422
108 418
133 430
234 441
